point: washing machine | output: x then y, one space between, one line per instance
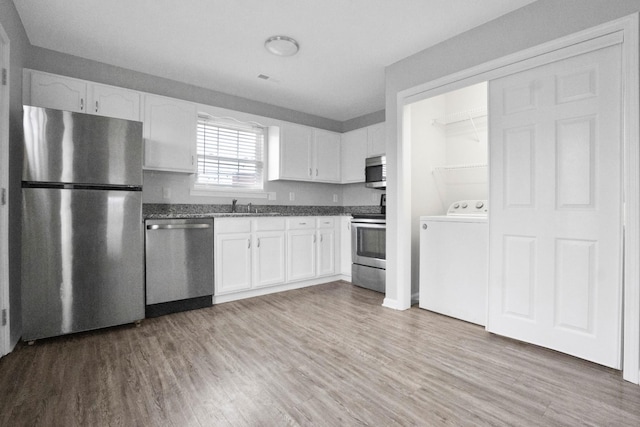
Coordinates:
454 261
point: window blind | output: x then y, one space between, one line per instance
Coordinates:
229 156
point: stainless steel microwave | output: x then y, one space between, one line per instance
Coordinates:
375 172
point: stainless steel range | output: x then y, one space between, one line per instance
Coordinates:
368 251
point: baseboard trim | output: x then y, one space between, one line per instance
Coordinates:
219 299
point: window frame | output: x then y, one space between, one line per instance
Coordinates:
212 189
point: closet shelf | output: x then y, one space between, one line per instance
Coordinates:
460 116
459 167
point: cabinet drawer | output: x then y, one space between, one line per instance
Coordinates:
232 225
301 223
326 222
270 224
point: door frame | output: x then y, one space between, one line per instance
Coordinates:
625 28
5 336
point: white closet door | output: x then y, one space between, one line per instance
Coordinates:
556 228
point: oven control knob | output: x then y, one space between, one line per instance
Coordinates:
424 226
464 206
456 206
479 205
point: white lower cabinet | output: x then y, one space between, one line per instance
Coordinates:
326 246
249 253
311 247
261 252
345 246
269 252
301 247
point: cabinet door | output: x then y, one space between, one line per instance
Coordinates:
301 258
345 245
327 156
170 134
61 93
326 252
113 101
353 155
233 262
295 152
376 140
269 258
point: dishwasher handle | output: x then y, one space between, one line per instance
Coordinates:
176 226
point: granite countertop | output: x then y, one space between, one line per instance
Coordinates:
168 211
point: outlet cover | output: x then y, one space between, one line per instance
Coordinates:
272 195
292 196
166 192
335 198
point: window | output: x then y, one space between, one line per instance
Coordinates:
229 154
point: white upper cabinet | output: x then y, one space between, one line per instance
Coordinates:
295 152
354 151
113 101
302 153
61 93
69 94
169 134
376 140
326 148
357 145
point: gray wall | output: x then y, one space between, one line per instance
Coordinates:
539 22
19 47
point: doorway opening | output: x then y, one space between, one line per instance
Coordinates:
449 136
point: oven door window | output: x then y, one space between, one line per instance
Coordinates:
371 242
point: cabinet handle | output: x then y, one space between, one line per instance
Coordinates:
321 238
310 173
316 171
258 242
192 160
81 104
249 243
96 106
303 223
314 238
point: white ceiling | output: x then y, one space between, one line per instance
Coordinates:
218 44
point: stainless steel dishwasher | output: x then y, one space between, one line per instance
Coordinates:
179 265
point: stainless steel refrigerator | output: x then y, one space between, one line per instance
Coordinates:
82 230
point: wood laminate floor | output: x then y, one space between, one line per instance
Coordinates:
324 355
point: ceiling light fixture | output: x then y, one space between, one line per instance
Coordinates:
282 45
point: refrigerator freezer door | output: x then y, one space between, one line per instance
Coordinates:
82 260
66 147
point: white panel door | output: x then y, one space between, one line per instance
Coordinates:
555 191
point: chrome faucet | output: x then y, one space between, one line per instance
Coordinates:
249 208
233 205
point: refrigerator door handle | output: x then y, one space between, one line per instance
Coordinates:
176 226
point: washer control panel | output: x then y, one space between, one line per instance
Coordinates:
469 207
